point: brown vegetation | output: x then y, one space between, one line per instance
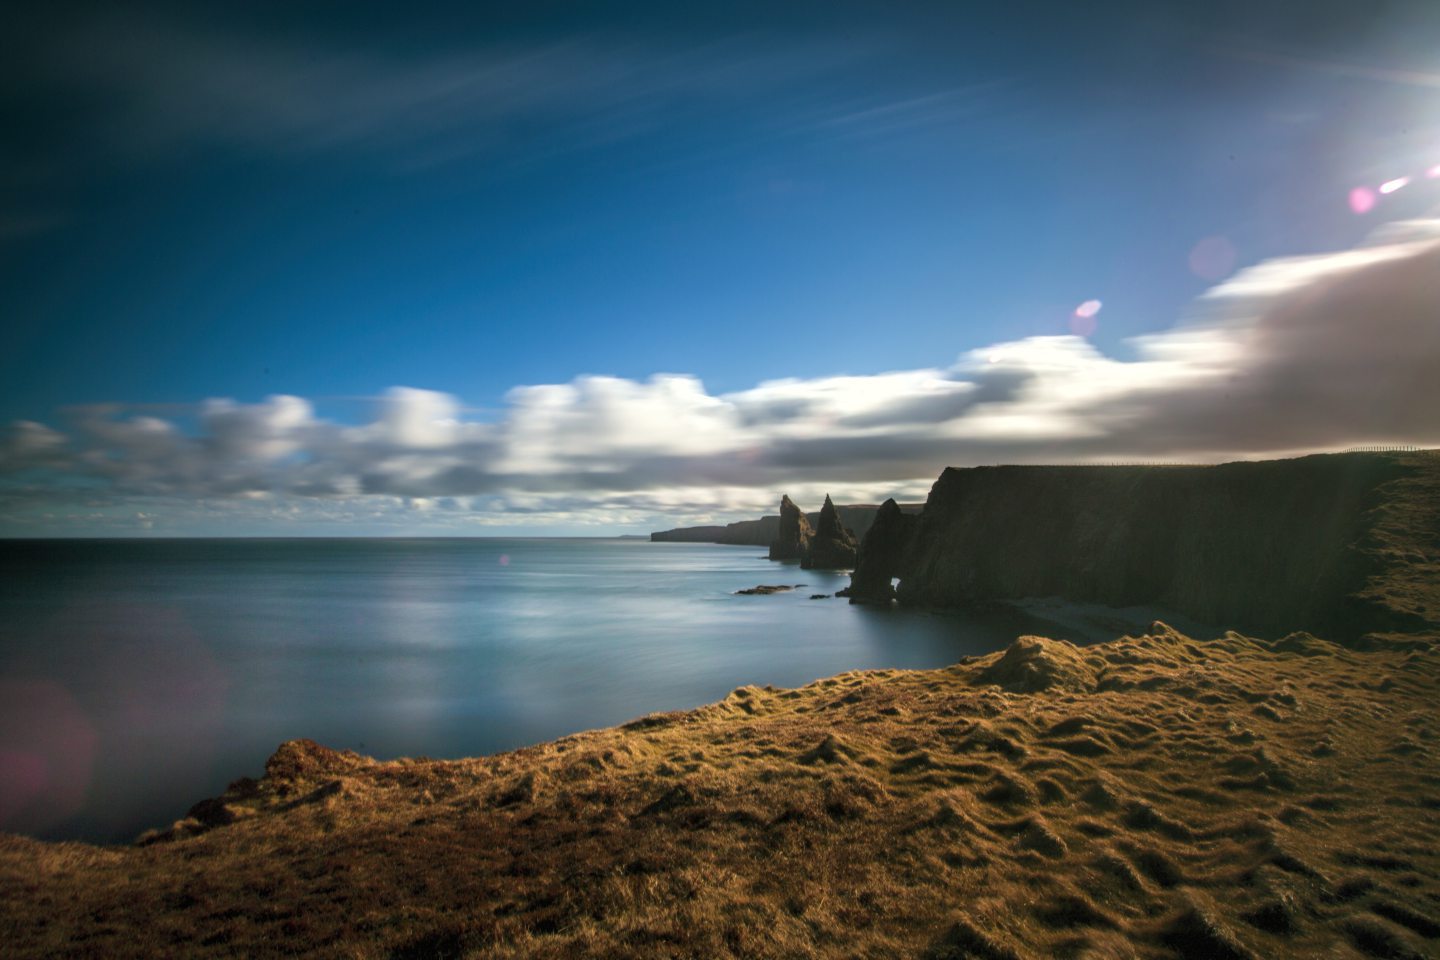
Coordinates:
1152 796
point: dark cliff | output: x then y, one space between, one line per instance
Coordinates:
752 533
857 517
1335 544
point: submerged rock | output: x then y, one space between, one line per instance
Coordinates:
832 547
795 532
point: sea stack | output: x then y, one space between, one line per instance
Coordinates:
833 547
793 541
882 555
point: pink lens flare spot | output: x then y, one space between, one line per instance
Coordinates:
1082 321
504 559
47 754
26 775
1212 258
1362 200
1390 186
1434 172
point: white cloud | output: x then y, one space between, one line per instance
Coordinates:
1306 353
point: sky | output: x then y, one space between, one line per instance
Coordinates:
484 269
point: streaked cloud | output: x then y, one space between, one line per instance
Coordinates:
1293 355
168 82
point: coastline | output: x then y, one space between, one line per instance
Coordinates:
1152 793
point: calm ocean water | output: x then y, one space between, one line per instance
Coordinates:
139 676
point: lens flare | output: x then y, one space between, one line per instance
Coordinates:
1434 172
1082 321
1362 200
1212 258
1390 186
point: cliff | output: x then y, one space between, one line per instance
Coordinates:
1337 544
857 517
753 533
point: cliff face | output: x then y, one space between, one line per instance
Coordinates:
1336 544
793 538
762 532
832 547
752 533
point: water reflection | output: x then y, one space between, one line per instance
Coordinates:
192 660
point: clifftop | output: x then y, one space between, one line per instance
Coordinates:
1338 544
763 531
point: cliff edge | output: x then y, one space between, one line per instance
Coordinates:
1337 544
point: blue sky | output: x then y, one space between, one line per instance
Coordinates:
485 203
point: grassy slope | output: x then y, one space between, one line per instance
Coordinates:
1151 796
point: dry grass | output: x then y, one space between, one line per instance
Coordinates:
1153 796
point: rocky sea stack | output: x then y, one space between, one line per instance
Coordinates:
882 555
832 547
795 532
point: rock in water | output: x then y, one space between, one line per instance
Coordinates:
882 555
832 547
795 532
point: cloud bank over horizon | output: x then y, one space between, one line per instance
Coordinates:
1299 354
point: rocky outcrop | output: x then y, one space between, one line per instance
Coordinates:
1338 545
793 538
832 547
883 553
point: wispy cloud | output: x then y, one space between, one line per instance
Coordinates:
170 82
1307 353
144 85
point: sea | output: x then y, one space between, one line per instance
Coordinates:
140 676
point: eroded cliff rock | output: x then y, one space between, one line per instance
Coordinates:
832 547
795 532
1338 544
762 532
883 554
